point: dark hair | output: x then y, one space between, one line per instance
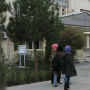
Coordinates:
60 48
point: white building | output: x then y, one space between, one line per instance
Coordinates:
70 6
79 5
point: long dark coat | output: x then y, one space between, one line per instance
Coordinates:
68 67
56 65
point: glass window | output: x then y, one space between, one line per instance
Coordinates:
37 45
63 11
30 45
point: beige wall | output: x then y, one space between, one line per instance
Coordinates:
8 48
76 5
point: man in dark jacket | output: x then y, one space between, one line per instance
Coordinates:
68 66
59 56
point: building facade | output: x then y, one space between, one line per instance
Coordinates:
62 6
82 21
8 49
72 6
65 7
79 5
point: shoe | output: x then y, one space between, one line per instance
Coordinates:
59 83
66 87
55 85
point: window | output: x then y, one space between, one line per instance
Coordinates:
30 45
63 10
37 45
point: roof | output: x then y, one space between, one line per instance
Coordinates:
76 19
73 13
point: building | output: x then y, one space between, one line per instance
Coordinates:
79 5
70 6
62 6
81 20
69 10
8 47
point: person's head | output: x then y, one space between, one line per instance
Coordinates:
67 49
54 48
60 48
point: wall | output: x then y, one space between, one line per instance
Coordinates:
76 5
8 48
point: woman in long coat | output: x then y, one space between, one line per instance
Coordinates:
68 66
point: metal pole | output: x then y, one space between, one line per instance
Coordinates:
24 60
20 61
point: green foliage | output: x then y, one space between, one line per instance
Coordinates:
2 9
2 59
17 76
2 73
74 37
2 6
34 20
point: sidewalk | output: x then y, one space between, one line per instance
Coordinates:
81 82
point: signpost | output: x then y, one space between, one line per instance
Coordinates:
22 52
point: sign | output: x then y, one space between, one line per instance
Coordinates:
22 49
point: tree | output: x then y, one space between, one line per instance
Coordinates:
74 37
2 73
2 59
35 20
3 8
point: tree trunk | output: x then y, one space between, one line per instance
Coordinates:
36 63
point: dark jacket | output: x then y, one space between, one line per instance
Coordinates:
68 67
56 64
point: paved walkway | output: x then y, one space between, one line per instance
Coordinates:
81 82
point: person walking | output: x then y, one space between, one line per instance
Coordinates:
53 54
68 67
59 56
55 65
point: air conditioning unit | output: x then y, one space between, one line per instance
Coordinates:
4 36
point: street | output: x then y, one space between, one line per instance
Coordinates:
80 82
